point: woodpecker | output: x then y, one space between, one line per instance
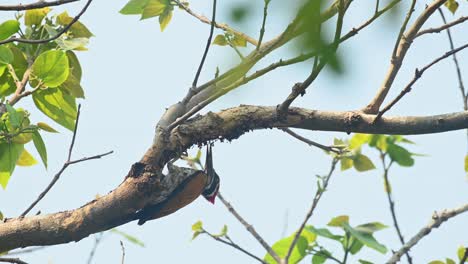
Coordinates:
204 182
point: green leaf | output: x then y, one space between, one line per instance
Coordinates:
51 68
346 163
371 227
239 41
9 154
134 7
323 232
466 163
74 63
379 142
220 40
35 16
450 261
223 232
400 155
321 256
1 216
13 116
40 147
78 29
356 246
6 56
365 262
26 159
339 221
461 253
452 5
366 238
57 105
436 262
128 237
195 234
282 246
153 8
46 127
358 140
8 28
165 18
362 163
73 87
198 226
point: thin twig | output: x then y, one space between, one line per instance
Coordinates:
403 28
391 202
250 228
222 26
97 240
417 74
13 260
312 143
436 221
300 88
123 252
60 33
207 48
443 27
38 4
455 61
65 166
262 30
396 62
315 202
231 243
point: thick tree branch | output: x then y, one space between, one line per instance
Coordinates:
38 4
13 260
397 60
436 221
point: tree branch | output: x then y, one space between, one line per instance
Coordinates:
262 29
13 260
397 60
38 4
315 202
250 228
60 33
436 221
312 143
443 27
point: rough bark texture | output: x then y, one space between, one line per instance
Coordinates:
145 185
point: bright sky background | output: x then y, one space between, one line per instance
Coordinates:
132 72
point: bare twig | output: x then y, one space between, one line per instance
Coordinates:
64 167
403 28
397 59
231 243
13 260
207 48
222 26
300 88
455 61
436 221
97 241
38 4
123 252
312 143
315 202
443 27
391 202
60 33
250 228
417 74
262 29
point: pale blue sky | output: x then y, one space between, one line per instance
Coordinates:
133 71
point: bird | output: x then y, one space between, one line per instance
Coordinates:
201 182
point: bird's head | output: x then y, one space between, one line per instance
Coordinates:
212 186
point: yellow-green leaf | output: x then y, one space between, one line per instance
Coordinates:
134 7
452 5
153 8
346 163
198 226
282 247
466 163
46 127
358 140
40 147
51 68
9 154
8 28
362 163
26 159
239 41
220 40
461 253
35 16
165 18
339 221
57 105
78 29
436 262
